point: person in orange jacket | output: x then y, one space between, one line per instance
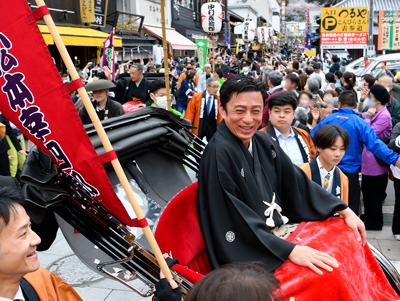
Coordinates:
203 112
295 142
183 75
331 142
21 277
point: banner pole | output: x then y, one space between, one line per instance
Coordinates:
165 46
113 55
213 54
105 141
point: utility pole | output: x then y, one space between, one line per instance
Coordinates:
370 26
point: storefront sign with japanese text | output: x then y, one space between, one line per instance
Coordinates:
87 11
344 25
389 30
100 13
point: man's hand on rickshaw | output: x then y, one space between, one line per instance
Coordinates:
355 224
312 259
165 291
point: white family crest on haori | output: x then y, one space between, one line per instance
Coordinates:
269 213
230 236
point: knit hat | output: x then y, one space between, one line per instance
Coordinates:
380 93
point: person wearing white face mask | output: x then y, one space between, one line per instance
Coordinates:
158 93
366 82
393 105
375 175
247 71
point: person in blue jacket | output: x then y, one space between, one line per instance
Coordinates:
360 134
186 91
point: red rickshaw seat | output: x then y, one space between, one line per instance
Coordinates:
178 231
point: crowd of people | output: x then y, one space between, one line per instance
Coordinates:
344 135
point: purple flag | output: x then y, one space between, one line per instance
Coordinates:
108 54
308 40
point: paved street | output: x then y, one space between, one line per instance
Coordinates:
61 260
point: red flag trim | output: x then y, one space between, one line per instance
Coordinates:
34 98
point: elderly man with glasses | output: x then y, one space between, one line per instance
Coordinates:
202 110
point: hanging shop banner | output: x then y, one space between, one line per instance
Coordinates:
389 30
100 13
201 45
344 25
248 31
87 11
262 35
211 17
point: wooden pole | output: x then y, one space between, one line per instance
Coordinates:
105 141
113 56
213 53
165 46
262 50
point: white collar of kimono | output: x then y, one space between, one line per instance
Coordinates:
137 84
251 147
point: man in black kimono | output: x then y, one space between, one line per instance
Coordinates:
135 87
244 177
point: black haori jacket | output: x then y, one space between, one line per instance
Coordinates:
232 187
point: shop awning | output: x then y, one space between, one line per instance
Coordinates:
78 36
177 41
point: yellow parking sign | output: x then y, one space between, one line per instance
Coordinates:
344 25
344 19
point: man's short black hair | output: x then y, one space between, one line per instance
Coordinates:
293 78
317 66
282 99
219 72
9 198
327 135
239 84
339 74
156 85
309 70
346 98
330 77
335 59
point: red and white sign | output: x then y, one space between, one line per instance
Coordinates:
343 38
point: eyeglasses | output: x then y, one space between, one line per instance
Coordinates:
214 87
